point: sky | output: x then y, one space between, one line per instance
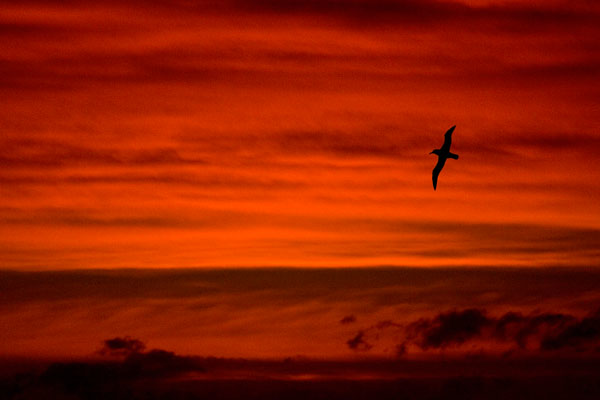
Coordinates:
320 313
253 179
171 134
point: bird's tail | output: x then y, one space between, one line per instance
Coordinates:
452 155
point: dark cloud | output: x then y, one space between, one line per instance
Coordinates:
578 335
358 342
138 363
447 329
160 363
107 379
537 332
521 328
122 346
348 319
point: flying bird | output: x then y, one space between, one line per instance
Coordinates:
443 154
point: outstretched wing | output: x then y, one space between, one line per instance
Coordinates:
437 170
448 140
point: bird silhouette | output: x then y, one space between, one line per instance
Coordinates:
443 154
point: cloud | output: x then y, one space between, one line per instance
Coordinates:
122 346
358 342
348 319
231 307
155 362
160 363
521 328
111 379
447 329
373 286
536 332
578 335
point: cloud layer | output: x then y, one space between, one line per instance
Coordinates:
282 312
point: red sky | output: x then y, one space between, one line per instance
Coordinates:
160 134
156 134
313 312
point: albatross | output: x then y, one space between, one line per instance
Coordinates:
443 154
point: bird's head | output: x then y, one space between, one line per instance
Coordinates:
435 151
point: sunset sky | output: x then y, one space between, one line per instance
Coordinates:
252 178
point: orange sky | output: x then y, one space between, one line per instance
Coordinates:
257 133
155 134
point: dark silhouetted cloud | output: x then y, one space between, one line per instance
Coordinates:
358 342
122 346
160 363
447 329
536 332
520 328
107 379
578 335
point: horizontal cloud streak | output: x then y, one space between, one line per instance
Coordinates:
233 312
